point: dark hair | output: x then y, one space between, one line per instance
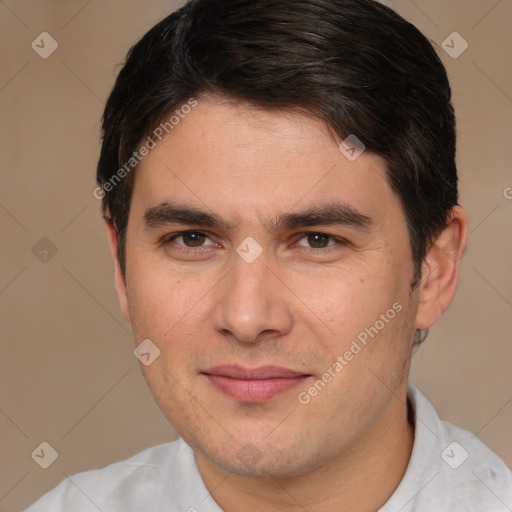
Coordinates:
355 64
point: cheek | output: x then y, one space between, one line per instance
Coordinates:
370 322
162 304
347 303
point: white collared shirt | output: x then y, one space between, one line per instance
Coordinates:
450 470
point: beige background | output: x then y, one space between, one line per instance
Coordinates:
68 375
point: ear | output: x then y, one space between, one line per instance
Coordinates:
119 278
440 270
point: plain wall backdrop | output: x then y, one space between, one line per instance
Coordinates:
68 374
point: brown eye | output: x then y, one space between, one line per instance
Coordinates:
193 239
189 239
317 241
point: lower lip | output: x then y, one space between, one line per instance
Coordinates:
254 390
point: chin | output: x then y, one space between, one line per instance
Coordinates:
260 459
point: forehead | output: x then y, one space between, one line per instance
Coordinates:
236 157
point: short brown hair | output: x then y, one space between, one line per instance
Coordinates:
355 64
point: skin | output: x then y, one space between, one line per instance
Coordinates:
299 305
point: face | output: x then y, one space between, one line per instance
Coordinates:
273 274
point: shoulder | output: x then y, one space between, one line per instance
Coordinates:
475 473
459 471
131 484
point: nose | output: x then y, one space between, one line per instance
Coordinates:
251 302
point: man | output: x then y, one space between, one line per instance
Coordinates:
280 195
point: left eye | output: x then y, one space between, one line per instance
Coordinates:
318 240
190 238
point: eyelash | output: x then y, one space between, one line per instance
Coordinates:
327 249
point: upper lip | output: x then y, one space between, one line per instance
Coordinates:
259 373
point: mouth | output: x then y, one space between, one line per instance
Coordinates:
254 384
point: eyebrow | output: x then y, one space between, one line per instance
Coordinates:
329 214
175 213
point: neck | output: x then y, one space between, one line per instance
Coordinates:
360 479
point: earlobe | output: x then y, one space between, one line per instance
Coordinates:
440 270
119 278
